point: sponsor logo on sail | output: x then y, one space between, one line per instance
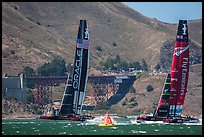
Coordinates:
86 33
184 29
180 50
173 79
184 75
77 69
165 90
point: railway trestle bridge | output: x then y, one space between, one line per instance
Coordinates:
102 88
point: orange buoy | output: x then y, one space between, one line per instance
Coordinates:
107 121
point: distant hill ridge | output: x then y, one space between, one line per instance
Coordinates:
33 33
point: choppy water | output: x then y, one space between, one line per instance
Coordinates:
123 127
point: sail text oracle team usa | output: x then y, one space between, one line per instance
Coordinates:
77 69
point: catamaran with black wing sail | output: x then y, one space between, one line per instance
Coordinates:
170 105
73 98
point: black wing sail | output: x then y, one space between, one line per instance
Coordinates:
75 89
163 105
83 50
67 100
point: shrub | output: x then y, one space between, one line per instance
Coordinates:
157 67
124 103
38 23
13 52
132 89
99 48
130 99
114 44
134 104
149 88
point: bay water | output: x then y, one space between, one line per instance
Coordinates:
123 126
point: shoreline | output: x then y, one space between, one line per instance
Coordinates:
20 117
7 117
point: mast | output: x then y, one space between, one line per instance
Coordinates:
179 70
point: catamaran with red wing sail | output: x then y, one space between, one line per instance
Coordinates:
73 98
179 76
171 102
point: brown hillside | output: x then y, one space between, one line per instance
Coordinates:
147 101
12 108
33 32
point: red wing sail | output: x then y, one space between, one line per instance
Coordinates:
179 69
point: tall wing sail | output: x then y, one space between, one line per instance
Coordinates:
81 67
75 88
67 100
179 69
162 109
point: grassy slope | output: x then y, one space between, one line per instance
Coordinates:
37 32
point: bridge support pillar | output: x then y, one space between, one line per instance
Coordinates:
101 92
92 94
42 95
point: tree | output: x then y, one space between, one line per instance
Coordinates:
144 65
69 68
137 65
123 65
56 67
109 64
28 71
117 59
30 96
130 65
157 67
115 64
59 66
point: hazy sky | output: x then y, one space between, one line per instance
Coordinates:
169 12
